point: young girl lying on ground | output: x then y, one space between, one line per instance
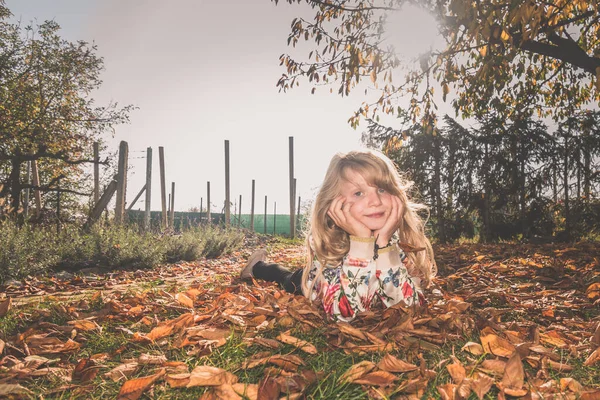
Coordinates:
360 222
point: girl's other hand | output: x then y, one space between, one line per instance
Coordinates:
392 223
339 212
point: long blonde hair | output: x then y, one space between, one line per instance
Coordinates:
328 244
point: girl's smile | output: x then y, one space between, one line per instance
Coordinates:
371 205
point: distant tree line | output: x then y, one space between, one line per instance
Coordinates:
502 179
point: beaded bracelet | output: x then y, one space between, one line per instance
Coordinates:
377 248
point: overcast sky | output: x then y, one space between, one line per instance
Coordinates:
202 72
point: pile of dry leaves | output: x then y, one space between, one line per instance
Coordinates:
515 315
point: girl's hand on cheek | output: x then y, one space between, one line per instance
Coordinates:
392 223
339 212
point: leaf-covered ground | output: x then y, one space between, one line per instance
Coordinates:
502 321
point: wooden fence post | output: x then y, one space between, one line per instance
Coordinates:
208 217
36 192
99 207
163 186
121 182
227 198
172 217
239 224
298 216
148 198
252 208
58 206
96 172
26 197
137 197
292 189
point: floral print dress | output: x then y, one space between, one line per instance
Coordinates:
361 281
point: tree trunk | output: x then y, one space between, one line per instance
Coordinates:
437 182
522 181
586 168
15 184
486 197
566 186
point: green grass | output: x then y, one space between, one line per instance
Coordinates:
36 250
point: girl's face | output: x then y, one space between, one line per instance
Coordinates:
370 205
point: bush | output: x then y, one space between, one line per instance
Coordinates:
28 250
25 250
202 241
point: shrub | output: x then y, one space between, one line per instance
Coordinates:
27 249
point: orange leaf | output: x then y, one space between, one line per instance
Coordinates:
205 375
122 371
268 389
392 364
84 325
85 370
184 300
5 306
481 385
178 380
376 378
350 330
299 343
457 371
447 391
514 377
474 348
160 332
356 371
133 389
496 345
593 358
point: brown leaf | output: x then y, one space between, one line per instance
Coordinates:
356 371
288 362
5 306
474 348
160 332
226 392
178 380
596 337
270 343
205 375
184 300
496 345
133 389
590 395
247 391
570 384
13 389
496 367
85 370
348 329
84 325
392 364
447 391
514 377
2 345
51 345
593 358
122 371
376 378
481 384
151 359
457 371
299 343
268 389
